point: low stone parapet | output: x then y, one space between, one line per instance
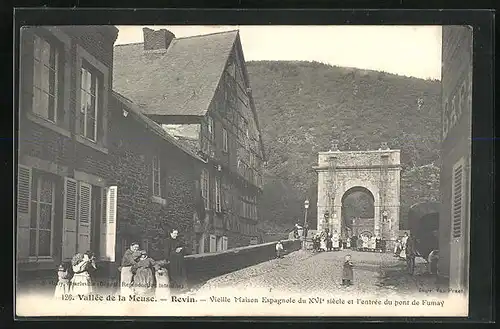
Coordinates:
202 267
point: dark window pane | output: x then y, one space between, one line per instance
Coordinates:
34 218
52 103
32 242
45 216
90 128
44 243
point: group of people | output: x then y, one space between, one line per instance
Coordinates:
142 275
76 277
364 242
139 274
326 241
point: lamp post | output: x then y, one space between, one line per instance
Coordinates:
304 230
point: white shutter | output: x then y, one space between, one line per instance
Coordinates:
69 218
23 211
84 216
108 225
224 243
213 243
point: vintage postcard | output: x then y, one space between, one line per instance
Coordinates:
243 171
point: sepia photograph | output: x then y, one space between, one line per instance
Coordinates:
244 170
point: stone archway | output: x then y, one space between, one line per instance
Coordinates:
357 215
377 171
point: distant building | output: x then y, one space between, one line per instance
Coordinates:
198 89
64 164
454 225
156 179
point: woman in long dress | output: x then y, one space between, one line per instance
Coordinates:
174 256
81 283
335 241
323 246
404 241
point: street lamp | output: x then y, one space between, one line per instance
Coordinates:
304 230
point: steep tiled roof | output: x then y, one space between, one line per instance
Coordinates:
178 81
154 127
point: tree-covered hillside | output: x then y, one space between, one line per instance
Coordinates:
304 106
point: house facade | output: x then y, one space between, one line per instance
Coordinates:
63 159
94 172
198 90
454 218
157 180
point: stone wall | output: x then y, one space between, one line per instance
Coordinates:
203 267
142 217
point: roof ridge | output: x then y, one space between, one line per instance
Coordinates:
204 35
129 44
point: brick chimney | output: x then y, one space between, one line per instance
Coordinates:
154 40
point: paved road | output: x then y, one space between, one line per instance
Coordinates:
304 271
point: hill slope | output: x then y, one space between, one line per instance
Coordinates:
304 106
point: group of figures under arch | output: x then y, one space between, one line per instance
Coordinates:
366 241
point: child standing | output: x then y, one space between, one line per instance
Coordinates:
347 272
63 283
279 250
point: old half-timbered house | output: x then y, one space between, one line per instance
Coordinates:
157 180
64 201
198 89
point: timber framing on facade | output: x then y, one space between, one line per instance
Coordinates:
198 90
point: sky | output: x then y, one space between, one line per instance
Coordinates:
404 50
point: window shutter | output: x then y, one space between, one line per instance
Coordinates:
224 243
457 207
69 218
213 243
103 225
108 225
84 216
23 211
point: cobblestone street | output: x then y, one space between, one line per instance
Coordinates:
306 272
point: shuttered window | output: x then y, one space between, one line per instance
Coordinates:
70 215
213 243
225 143
24 178
156 177
23 190
108 225
218 198
42 216
224 243
204 187
457 206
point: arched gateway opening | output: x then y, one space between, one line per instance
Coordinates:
359 190
358 212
